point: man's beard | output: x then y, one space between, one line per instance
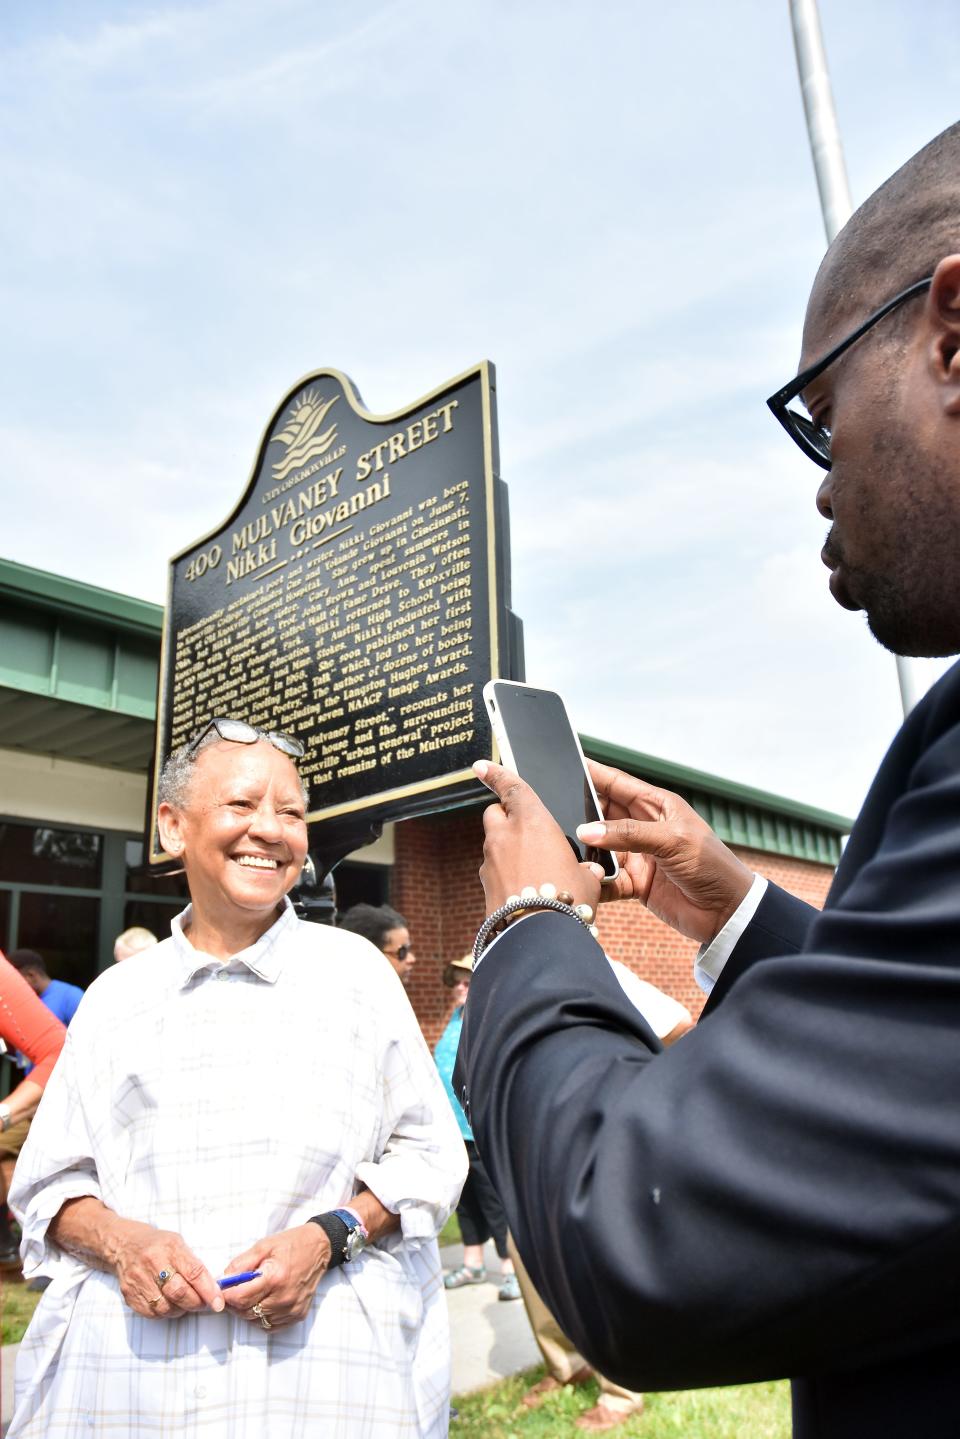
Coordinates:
912 609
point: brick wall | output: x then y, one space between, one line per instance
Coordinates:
436 889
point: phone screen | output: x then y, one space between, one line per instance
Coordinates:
546 755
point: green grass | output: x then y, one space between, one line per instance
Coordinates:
450 1233
760 1411
17 1304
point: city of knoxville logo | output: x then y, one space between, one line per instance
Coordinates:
300 434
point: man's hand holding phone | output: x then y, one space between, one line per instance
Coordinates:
523 844
670 858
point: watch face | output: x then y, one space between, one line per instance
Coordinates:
355 1245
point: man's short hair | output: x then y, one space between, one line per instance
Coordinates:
132 941
173 787
899 235
27 959
372 921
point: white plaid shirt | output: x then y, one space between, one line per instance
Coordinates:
228 1102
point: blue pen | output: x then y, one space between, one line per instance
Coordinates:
233 1279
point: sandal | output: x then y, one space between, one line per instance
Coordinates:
548 1385
457 1278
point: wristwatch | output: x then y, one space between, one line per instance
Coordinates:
347 1233
4 1117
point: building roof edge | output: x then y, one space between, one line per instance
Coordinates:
49 591
669 772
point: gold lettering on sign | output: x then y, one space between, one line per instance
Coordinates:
405 442
355 631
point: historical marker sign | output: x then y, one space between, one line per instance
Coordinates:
357 597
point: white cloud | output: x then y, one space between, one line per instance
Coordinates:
109 44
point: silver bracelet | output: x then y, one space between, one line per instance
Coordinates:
5 1118
527 901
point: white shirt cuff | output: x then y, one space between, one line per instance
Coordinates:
708 965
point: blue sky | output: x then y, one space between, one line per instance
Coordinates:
615 204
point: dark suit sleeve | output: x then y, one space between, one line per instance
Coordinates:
780 1191
779 926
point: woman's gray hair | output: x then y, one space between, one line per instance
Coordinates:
177 773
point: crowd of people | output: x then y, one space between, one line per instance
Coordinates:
772 1191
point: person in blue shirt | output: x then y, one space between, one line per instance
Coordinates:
479 1212
59 997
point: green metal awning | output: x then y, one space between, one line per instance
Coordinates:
78 669
738 813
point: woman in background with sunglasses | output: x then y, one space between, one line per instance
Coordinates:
388 932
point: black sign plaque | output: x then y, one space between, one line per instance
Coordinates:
357 597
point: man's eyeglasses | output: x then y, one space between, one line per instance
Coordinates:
239 732
812 437
400 953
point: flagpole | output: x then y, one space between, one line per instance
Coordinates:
833 185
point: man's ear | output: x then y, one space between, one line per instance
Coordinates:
170 826
944 310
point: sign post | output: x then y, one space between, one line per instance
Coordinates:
358 598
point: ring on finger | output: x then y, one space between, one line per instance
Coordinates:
264 1321
164 1276
151 1302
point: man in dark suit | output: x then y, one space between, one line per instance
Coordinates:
780 1192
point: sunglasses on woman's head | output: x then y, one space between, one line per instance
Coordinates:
239 732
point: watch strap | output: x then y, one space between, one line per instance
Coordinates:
352 1219
337 1231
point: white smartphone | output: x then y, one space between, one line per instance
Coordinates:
539 743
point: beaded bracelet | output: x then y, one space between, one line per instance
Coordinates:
527 902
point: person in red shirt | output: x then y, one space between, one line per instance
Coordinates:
28 1025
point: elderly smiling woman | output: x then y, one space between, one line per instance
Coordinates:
164 1156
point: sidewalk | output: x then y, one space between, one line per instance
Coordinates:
491 1338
